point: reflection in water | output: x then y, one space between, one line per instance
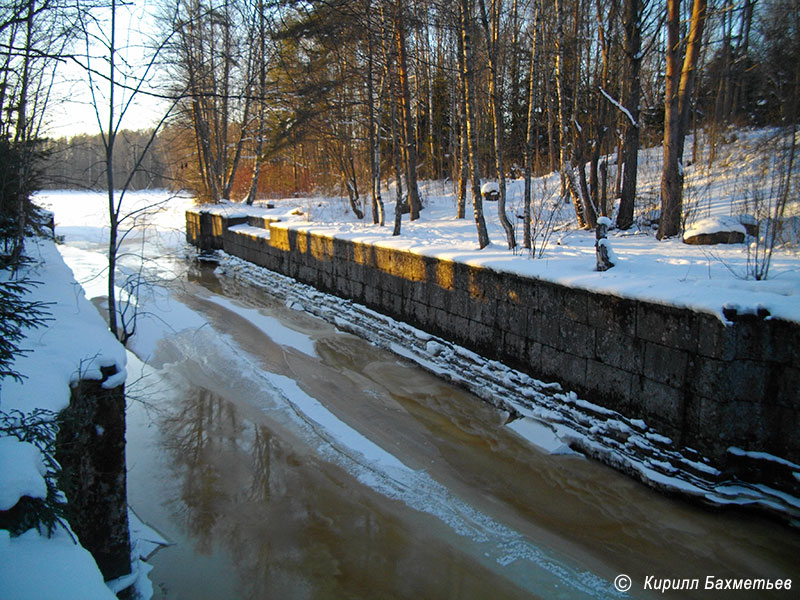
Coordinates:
294 527
257 511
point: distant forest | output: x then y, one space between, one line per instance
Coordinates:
79 162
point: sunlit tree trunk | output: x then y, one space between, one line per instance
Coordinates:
568 175
529 141
410 144
679 83
468 76
632 87
497 117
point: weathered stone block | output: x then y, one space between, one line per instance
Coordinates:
483 312
482 335
439 297
667 326
460 303
372 296
483 283
785 341
785 381
562 366
571 304
417 311
514 346
665 365
461 276
714 338
611 313
619 350
391 303
460 326
343 287
533 356
534 320
439 319
612 385
576 338
657 401
416 291
512 317
440 272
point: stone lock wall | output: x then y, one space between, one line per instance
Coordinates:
706 384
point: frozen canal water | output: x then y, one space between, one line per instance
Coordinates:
283 458
318 466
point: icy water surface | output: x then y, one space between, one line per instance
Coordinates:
285 459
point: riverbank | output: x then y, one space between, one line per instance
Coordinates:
73 346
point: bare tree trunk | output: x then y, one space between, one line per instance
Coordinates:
21 137
565 147
261 57
528 193
113 210
373 137
463 146
630 152
410 145
396 152
468 75
497 121
689 71
676 114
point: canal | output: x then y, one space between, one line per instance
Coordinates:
283 458
286 459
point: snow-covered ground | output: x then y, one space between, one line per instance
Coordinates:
75 343
703 278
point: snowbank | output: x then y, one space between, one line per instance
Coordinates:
37 567
74 344
22 472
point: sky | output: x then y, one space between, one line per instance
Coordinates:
71 110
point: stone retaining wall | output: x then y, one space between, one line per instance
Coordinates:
90 447
705 384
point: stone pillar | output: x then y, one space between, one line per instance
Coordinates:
90 447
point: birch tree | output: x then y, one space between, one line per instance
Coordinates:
467 66
492 40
